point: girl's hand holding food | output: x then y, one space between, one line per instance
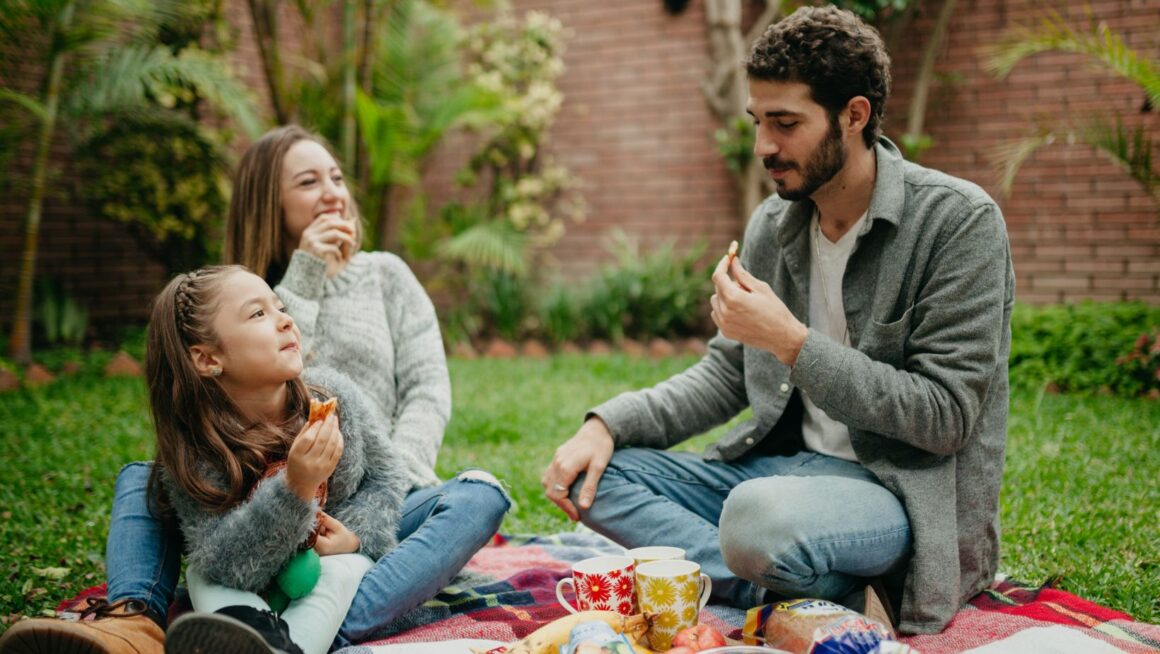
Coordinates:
313 457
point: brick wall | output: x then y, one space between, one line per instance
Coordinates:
635 129
1080 227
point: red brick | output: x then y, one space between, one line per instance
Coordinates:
1094 266
1150 296
1125 282
1070 297
1144 266
1126 251
1064 251
1061 282
1036 296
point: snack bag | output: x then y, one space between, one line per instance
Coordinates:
820 627
596 637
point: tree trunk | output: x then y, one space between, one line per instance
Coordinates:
386 224
725 88
917 114
263 15
349 84
20 347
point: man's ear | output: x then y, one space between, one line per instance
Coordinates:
856 115
205 360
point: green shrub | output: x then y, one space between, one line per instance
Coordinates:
60 319
560 315
1141 366
167 187
1100 347
503 300
648 295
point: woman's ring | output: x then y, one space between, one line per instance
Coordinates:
559 488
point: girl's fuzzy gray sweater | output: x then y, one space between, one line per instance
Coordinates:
245 547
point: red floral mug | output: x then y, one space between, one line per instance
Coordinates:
601 583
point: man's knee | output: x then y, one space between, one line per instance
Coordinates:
757 528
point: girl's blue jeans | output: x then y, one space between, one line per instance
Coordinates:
441 528
807 525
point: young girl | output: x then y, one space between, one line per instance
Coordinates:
223 366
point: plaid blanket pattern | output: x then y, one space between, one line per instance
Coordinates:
509 589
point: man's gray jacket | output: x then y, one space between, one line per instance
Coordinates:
928 293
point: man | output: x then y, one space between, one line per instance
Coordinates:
867 324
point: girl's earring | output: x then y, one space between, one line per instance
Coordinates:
215 371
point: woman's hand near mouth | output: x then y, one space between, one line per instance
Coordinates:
330 238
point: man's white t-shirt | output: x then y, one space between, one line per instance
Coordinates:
828 260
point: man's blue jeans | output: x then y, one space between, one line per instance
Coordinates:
807 525
441 528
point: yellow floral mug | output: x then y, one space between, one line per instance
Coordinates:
676 591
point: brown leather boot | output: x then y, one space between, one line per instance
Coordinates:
120 628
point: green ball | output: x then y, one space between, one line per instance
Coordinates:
298 577
277 599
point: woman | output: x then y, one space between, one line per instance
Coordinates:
292 221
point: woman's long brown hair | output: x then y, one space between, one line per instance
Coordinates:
255 232
197 423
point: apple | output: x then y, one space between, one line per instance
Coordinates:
697 638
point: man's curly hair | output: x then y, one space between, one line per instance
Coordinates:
833 52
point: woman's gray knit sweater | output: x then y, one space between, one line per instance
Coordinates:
375 322
244 547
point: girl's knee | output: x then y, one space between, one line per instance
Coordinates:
483 492
134 474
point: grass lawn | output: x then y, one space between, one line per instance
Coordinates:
1080 497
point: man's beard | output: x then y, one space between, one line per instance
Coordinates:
826 161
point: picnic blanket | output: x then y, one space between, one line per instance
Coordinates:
509 589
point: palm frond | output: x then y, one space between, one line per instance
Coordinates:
388 132
27 102
215 81
492 245
1130 149
417 53
1102 44
126 77
418 92
1008 157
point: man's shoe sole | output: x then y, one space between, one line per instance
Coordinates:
213 633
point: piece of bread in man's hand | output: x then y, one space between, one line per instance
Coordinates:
320 410
729 264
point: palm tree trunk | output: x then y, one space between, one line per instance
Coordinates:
20 347
917 114
349 83
264 17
